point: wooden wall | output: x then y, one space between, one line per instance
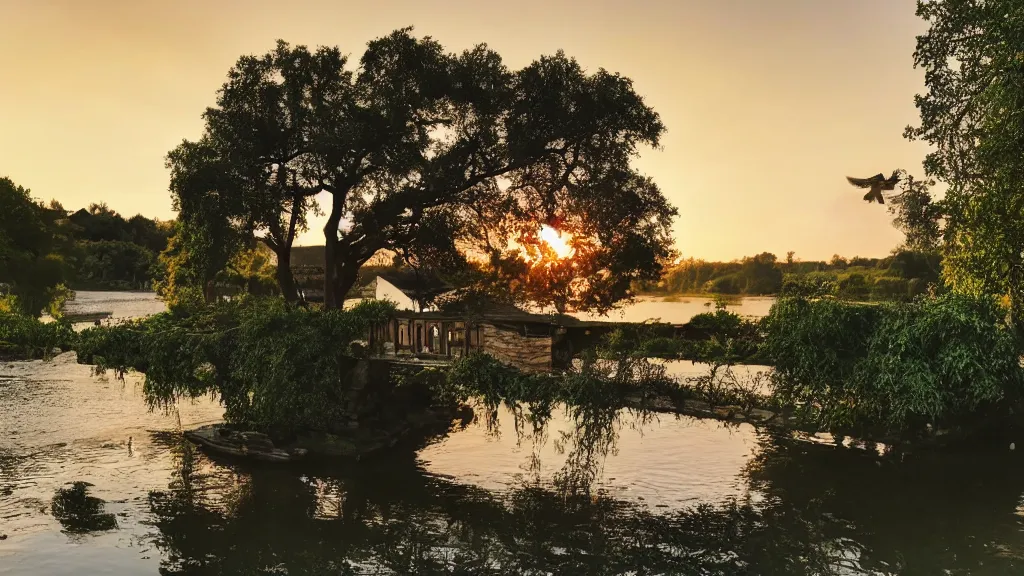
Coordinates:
530 353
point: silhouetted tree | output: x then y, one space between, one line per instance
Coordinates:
418 136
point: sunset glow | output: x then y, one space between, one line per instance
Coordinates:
557 241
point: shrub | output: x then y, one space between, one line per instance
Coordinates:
24 337
890 289
276 368
731 284
890 369
718 323
854 287
811 285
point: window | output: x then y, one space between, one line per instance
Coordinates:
457 335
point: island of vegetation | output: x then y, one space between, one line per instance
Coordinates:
516 187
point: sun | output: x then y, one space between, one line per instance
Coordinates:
557 241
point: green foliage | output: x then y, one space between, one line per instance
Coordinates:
728 284
891 289
59 297
194 257
114 265
808 286
24 337
252 271
276 368
711 337
917 215
974 78
29 266
853 278
894 367
853 287
105 251
761 275
42 247
599 383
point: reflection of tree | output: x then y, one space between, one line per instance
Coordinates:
925 515
392 516
80 513
813 509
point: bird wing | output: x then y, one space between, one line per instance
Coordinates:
861 182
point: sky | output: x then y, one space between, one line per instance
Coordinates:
768 104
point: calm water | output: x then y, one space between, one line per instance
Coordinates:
666 496
122 304
679 310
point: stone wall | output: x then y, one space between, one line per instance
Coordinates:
529 353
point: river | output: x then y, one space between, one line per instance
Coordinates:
666 495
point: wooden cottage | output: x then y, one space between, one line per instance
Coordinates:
532 342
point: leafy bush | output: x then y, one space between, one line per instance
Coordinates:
886 288
731 284
810 285
710 336
276 368
718 323
892 368
854 287
24 337
113 264
597 381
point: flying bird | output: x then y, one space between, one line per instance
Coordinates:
876 183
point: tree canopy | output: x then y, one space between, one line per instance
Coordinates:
433 155
973 114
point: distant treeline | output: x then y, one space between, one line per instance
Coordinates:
109 252
46 249
900 276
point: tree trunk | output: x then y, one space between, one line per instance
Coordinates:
332 299
209 292
285 280
346 275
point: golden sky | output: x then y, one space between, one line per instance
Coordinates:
768 103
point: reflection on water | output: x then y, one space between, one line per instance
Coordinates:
80 513
90 482
349 521
587 494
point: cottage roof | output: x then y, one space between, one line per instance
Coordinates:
415 284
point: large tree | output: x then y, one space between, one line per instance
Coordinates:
973 114
436 155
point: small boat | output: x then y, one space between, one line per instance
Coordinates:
255 445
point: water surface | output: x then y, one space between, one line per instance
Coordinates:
92 482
